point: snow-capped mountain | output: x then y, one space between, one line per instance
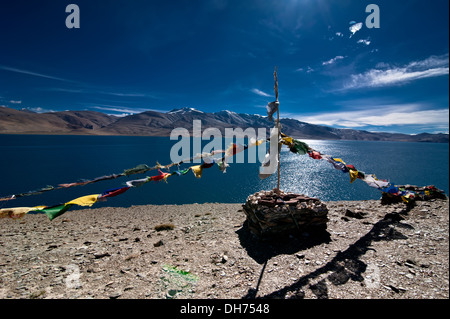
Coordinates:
152 123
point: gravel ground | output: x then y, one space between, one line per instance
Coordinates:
205 251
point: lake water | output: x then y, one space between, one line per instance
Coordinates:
30 162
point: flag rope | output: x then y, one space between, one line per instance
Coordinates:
294 145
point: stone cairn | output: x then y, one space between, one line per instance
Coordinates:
270 213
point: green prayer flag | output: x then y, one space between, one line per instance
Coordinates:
300 147
142 168
55 211
184 171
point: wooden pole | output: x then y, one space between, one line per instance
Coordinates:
278 126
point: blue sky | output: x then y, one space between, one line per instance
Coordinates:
132 56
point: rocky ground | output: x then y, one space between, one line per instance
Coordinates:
206 251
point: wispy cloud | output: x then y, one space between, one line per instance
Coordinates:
123 110
260 93
121 94
94 90
392 75
7 68
15 102
39 109
333 60
307 69
383 115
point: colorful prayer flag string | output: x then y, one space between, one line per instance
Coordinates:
294 145
384 186
88 200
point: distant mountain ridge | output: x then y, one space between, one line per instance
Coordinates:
152 123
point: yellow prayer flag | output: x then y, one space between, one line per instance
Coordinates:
353 175
17 212
255 142
197 170
87 200
288 140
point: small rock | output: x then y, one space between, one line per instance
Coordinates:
407 264
159 243
394 289
171 293
357 215
410 262
101 255
115 295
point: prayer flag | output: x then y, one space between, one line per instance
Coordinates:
142 168
197 170
87 200
114 192
17 212
55 211
315 155
161 176
138 182
353 175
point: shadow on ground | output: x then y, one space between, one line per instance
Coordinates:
261 250
344 266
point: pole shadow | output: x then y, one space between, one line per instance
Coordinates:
262 249
344 266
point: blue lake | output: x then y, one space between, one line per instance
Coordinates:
30 162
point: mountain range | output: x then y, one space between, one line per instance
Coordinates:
152 123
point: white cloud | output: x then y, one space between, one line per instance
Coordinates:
384 115
39 109
333 60
128 94
307 69
15 102
355 28
261 93
124 111
339 34
364 41
388 75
